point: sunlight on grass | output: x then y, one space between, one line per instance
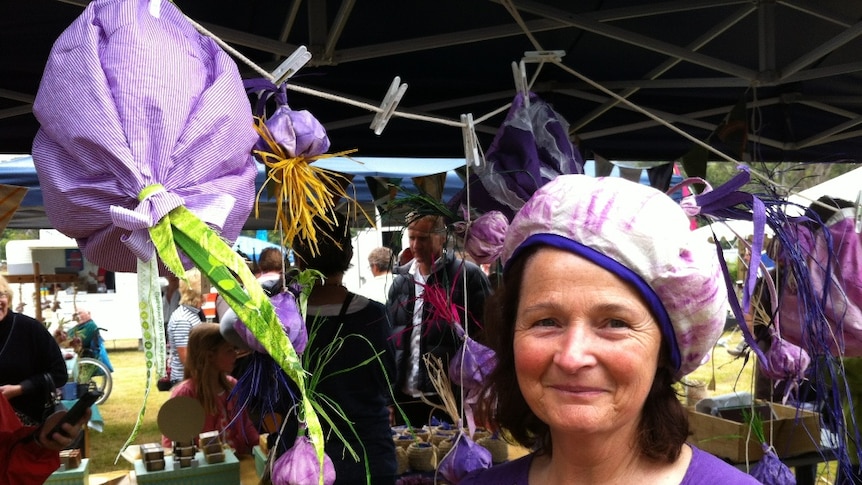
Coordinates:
121 409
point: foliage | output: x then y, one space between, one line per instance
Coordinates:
791 176
15 235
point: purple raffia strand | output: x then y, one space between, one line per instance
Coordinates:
729 202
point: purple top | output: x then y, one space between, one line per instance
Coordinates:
704 469
129 100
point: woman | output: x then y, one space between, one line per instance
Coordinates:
606 302
210 360
27 353
352 377
186 316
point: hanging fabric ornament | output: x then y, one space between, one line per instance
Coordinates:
770 470
469 368
464 457
290 141
144 150
531 148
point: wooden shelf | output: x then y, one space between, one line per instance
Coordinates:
42 278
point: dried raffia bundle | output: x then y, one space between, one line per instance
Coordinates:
289 142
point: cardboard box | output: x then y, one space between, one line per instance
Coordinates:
225 473
75 476
793 432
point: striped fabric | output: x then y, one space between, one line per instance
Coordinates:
128 100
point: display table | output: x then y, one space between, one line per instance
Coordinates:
75 476
225 473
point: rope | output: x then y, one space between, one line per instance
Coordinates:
320 94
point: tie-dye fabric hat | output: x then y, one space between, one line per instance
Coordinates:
642 236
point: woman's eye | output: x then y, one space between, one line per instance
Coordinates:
617 323
546 322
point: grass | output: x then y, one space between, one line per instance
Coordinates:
121 409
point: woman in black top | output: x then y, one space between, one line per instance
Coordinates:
27 353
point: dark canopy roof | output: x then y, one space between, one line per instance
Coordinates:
796 63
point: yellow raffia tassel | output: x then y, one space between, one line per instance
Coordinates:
302 191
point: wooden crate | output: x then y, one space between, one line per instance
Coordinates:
793 432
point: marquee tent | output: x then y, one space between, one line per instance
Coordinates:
794 64
435 175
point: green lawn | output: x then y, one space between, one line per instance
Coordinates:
121 410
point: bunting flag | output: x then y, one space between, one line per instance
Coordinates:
10 199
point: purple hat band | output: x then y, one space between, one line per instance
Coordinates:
615 267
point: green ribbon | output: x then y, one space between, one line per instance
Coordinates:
153 332
215 258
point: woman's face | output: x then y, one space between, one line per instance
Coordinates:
586 346
225 357
5 301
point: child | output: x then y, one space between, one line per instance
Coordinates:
208 365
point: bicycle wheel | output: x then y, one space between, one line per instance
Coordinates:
96 375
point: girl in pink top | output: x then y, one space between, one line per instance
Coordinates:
210 360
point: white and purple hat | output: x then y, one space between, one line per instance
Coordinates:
644 237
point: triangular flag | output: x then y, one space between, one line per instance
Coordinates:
10 199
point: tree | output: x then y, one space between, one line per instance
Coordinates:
14 235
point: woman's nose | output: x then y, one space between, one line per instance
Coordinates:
575 349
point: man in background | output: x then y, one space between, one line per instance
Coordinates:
426 325
377 288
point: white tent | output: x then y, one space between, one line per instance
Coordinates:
846 186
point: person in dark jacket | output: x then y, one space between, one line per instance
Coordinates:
421 309
31 364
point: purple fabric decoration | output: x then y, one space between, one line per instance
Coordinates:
464 457
844 290
485 235
299 132
770 470
126 101
530 149
469 368
299 466
291 321
804 312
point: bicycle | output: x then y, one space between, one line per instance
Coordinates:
96 375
